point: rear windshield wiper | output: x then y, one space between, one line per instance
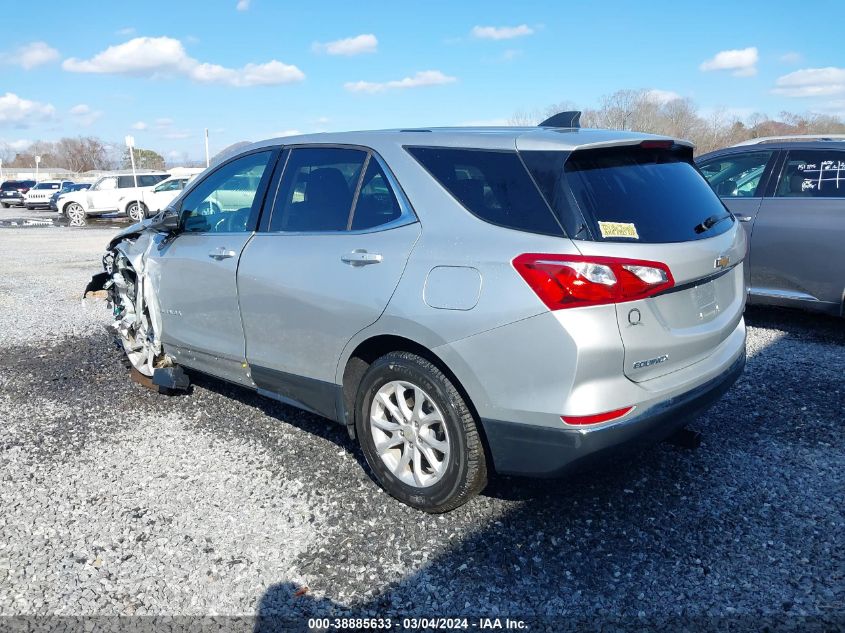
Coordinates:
710 222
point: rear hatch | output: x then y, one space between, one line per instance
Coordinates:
644 211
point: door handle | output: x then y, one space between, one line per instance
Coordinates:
221 253
744 218
360 257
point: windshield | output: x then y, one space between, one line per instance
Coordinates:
47 185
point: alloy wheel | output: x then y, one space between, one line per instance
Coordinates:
409 433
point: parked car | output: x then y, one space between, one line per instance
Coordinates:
38 197
74 186
463 300
789 193
111 194
163 193
12 192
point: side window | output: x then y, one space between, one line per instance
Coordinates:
226 201
492 185
813 174
736 175
106 184
316 190
125 182
376 203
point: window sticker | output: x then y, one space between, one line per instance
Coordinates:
618 229
817 175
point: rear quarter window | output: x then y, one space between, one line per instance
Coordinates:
813 174
492 185
643 195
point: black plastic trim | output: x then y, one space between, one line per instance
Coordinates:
539 451
308 393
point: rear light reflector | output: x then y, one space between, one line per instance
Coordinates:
597 418
571 281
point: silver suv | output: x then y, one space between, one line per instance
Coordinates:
462 300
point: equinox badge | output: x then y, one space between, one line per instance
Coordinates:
651 361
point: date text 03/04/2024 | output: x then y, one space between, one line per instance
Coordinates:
411 624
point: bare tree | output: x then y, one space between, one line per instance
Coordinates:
644 111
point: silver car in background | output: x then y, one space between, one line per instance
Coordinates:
463 300
789 193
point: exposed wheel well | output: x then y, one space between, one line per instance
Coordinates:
376 347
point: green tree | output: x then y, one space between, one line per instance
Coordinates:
144 159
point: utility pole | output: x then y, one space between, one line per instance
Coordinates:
37 162
130 143
207 162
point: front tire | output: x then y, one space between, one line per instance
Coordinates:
418 434
5 206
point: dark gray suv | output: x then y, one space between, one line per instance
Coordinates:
789 193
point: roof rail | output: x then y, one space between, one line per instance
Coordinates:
570 118
792 137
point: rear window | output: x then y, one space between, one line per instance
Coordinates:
492 185
633 194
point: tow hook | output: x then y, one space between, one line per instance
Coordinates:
685 438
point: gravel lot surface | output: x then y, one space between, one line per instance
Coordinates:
116 500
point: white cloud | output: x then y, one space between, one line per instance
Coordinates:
23 112
792 57
166 57
125 31
176 134
365 43
285 133
661 96
163 122
139 125
741 62
242 5
18 145
501 32
422 78
84 115
511 53
812 82
30 55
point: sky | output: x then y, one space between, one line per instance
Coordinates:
254 69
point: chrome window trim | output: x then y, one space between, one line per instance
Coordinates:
407 213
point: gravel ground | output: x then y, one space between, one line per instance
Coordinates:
116 500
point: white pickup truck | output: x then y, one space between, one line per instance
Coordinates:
111 194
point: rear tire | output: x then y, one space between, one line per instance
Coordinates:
424 450
76 214
137 211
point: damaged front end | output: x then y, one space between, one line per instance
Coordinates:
129 284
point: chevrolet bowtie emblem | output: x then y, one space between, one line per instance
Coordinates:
722 261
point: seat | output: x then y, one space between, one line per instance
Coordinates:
796 185
326 205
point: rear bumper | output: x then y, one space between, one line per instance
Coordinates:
538 451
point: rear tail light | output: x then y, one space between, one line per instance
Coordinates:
597 418
571 281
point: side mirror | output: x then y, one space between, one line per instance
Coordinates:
167 223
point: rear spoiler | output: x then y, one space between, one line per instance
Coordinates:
570 119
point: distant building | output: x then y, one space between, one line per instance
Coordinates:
44 173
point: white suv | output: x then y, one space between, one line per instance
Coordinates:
40 194
164 193
111 194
